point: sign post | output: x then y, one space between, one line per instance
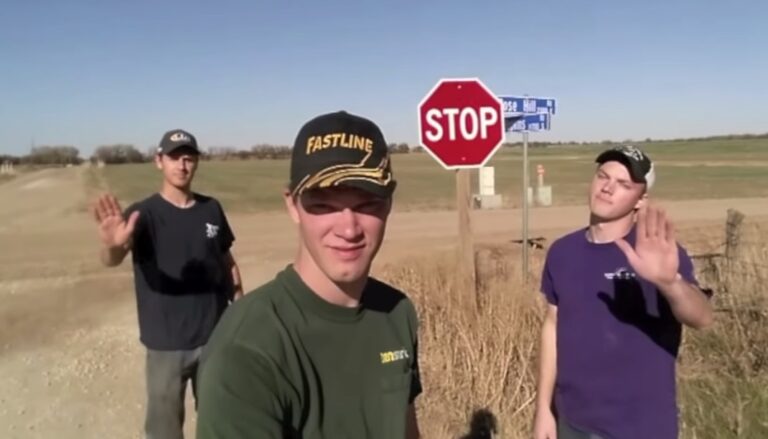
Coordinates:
461 125
524 114
526 201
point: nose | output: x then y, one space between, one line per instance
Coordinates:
608 187
348 226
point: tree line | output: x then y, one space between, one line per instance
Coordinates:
63 155
46 155
125 153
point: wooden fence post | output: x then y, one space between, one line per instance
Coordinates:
733 230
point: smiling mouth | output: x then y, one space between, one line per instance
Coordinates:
349 253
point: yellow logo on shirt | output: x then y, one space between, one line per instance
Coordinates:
388 357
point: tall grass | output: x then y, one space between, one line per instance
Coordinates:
479 365
474 360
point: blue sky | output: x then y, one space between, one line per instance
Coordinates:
237 73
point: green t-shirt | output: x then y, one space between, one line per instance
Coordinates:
284 363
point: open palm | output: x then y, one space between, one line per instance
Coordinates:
654 256
114 229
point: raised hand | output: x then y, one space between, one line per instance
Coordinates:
114 230
654 256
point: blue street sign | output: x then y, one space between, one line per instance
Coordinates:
516 105
528 122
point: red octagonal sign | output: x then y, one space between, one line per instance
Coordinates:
461 123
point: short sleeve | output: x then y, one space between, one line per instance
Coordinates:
227 237
687 270
416 388
547 282
238 397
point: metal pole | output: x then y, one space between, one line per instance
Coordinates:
525 207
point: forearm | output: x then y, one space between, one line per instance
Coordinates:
237 282
547 361
112 256
688 303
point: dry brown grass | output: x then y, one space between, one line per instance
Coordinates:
474 360
482 362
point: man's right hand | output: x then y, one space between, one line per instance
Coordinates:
544 425
114 230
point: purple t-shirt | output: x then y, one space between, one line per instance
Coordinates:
617 341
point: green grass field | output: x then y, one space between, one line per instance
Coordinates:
685 170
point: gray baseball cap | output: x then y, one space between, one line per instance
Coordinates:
175 139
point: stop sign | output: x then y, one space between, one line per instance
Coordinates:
461 123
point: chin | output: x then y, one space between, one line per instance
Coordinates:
345 273
602 210
605 215
181 184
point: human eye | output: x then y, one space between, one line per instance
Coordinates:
371 206
319 208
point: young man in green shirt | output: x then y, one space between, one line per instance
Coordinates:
323 351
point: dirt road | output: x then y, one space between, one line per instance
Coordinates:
70 362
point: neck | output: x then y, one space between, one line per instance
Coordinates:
601 231
180 197
347 295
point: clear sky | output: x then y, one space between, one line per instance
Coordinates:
237 73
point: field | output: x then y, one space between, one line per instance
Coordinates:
71 365
685 171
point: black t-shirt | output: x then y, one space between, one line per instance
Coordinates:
183 282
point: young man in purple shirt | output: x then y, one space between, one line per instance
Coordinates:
618 293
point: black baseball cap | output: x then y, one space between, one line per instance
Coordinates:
175 139
636 161
340 148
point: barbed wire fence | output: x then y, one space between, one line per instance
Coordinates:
738 273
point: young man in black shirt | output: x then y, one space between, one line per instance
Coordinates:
184 272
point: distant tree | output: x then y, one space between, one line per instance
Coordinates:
283 151
270 152
118 154
222 152
15 160
54 155
417 149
